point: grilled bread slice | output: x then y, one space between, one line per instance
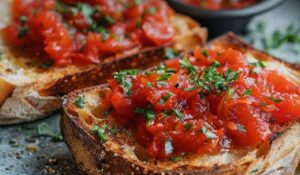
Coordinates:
20 82
120 154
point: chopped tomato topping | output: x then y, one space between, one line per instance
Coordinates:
203 103
85 32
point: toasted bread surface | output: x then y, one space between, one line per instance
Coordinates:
122 155
21 81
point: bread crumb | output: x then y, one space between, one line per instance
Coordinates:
32 147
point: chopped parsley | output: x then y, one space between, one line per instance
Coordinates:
231 91
175 159
114 130
248 92
138 2
208 134
100 132
165 97
47 64
231 75
109 19
263 104
204 52
164 73
178 114
80 101
148 113
138 23
185 64
23 31
44 130
120 77
149 84
109 111
276 100
216 64
151 10
23 19
188 126
190 89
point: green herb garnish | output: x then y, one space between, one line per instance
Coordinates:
204 52
185 64
44 130
178 114
248 92
109 111
100 132
151 10
23 31
276 100
148 113
47 64
23 19
80 101
175 159
120 77
165 97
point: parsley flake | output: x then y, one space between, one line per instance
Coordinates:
276 100
185 63
22 32
100 132
248 92
80 101
120 77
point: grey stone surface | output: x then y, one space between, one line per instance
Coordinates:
23 152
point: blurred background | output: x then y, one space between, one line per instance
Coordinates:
37 148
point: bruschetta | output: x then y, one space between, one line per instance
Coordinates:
226 108
43 41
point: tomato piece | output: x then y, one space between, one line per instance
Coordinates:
123 106
256 128
281 83
157 31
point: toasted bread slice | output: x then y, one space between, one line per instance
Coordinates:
122 155
20 82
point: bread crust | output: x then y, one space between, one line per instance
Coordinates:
118 155
24 96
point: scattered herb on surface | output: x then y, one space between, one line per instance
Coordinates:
44 130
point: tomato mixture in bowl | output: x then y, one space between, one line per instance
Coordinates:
220 4
82 32
203 103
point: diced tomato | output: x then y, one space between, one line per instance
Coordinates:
53 33
177 111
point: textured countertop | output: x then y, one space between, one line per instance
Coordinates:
24 152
